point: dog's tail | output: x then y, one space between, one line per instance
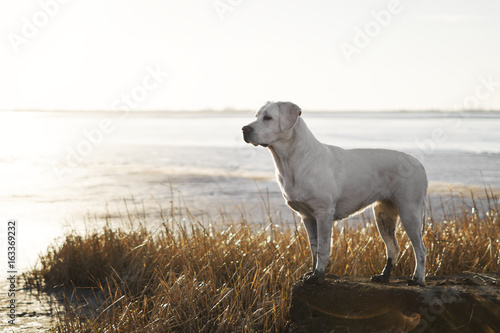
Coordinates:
423 223
424 217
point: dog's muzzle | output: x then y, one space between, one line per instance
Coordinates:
246 133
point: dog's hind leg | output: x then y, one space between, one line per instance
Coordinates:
386 215
412 220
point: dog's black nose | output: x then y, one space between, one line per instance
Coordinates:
247 130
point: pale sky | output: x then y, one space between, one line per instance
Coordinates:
237 54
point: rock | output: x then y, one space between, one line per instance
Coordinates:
460 303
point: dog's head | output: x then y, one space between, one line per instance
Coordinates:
274 121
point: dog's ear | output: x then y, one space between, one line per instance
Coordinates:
289 113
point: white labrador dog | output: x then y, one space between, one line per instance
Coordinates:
325 183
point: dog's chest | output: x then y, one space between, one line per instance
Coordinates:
289 187
293 192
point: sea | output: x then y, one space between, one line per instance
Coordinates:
71 172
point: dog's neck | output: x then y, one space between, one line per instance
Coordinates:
296 146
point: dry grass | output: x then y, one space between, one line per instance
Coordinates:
186 277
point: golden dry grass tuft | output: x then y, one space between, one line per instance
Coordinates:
187 277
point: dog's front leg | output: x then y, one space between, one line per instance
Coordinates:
322 256
312 234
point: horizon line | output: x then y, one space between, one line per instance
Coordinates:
234 110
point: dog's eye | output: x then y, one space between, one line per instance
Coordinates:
267 118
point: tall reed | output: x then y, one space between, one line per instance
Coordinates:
184 276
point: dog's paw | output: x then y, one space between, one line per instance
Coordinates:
307 274
415 282
314 278
380 278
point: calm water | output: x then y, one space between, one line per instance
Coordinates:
59 170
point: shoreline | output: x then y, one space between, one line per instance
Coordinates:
35 310
440 188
